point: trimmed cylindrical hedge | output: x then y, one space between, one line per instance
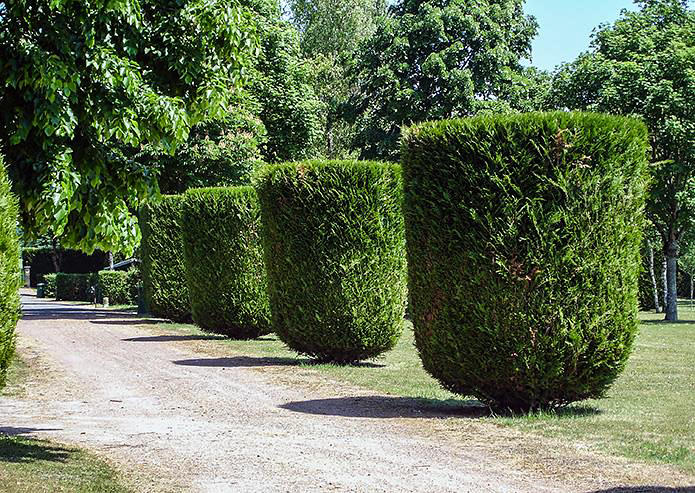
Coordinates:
335 255
163 270
119 286
50 281
224 261
523 251
9 273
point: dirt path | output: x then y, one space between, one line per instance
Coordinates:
175 419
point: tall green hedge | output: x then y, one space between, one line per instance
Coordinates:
71 261
119 286
335 255
75 287
50 289
224 261
523 251
163 270
9 273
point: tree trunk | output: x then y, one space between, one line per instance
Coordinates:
691 291
657 305
55 255
671 255
664 284
110 260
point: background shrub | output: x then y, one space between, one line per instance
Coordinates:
163 271
119 286
75 287
10 278
224 261
50 289
71 262
335 255
523 251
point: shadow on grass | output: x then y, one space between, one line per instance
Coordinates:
122 321
389 407
666 322
174 338
23 450
648 489
240 362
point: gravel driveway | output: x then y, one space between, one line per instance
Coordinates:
175 416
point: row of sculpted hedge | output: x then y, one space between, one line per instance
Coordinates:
9 273
163 269
523 237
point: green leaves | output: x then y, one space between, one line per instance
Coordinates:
87 83
430 60
9 273
523 236
335 255
221 232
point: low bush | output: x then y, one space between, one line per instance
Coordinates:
523 251
9 273
224 261
75 287
120 287
335 255
163 270
50 282
71 262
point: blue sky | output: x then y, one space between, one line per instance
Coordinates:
566 26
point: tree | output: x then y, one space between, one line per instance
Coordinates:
86 83
221 152
331 32
644 64
282 83
433 59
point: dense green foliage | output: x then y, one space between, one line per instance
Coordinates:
224 261
335 255
331 32
222 152
644 64
9 273
282 84
85 83
163 270
75 287
119 286
69 261
50 285
523 252
432 59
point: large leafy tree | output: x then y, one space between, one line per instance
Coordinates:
86 82
282 83
331 32
431 59
644 64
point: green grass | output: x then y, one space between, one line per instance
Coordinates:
29 465
648 413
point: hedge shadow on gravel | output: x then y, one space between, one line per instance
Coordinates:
389 407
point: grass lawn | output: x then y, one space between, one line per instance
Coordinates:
29 465
648 414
